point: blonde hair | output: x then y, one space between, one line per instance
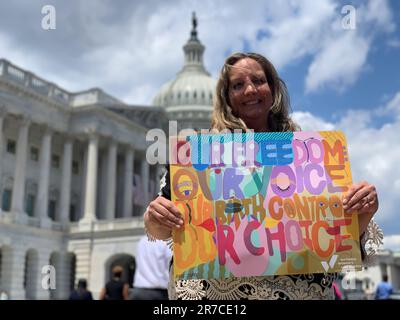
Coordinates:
278 116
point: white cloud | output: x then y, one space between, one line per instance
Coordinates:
18 58
394 106
126 48
339 62
392 242
394 43
374 155
343 54
378 12
298 33
33 62
309 122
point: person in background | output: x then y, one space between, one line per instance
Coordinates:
384 289
151 275
115 289
81 292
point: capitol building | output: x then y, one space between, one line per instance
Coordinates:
74 177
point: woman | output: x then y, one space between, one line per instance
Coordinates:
250 95
116 288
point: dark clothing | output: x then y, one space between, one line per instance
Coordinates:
166 189
114 290
81 295
149 294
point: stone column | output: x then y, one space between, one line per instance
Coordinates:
62 276
91 179
42 201
42 293
66 181
102 183
389 271
128 182
111 179
81 213
145 181
18 192
3 112
60 261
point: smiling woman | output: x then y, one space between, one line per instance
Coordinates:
250 95
250 80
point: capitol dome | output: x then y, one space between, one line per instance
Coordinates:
189 88
189 97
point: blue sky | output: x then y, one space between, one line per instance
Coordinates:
337 78
377 83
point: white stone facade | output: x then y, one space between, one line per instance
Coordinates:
68 163
74 180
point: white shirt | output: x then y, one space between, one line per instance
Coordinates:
152 264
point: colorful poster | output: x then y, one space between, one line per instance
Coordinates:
262 204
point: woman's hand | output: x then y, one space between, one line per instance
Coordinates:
363 198
161 217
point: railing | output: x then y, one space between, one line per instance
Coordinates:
33 222
92 96
117 224
27 79
55 225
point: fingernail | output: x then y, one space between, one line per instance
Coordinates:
344 201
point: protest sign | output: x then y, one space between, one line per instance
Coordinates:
259 204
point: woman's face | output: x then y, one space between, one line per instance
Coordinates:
249 93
